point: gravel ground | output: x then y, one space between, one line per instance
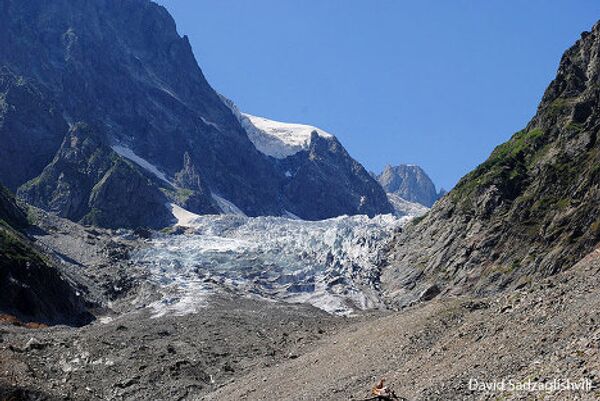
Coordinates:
238 348
136 357
431 351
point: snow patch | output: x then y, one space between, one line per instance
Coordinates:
205 121
290 215
278 139
184 217
143 163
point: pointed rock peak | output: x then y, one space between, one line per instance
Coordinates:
410 182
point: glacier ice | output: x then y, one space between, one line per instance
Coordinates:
332 264
278 139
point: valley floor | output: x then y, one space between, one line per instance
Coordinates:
239 348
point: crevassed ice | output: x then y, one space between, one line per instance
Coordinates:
331 264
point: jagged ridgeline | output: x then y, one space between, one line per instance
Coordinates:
531 209
106 118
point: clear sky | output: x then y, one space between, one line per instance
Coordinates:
435 83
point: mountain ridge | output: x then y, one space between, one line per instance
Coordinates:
122 68
529 211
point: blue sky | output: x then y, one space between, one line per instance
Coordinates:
435 83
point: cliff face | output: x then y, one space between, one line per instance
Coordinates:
326 180
120 67
532 209
89 183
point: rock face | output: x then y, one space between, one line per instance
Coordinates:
89 183
120 67
409 182
325 180
31 288
532 209
321 179
31 129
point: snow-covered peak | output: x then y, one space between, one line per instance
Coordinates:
274 138
279 139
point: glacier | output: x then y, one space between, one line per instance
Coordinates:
278 139
331 264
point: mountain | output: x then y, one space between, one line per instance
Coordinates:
321 178
409 182
31 287
530 210
120 69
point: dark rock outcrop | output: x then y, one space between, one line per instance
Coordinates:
31 129
409 182
196 194
531 210
31 288
89 183
327 182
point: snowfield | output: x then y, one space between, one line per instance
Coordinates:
278 139
332 264
274 138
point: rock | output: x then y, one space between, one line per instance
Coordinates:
90 183
122 68
529 211
410 183
31 287
430 293
34 344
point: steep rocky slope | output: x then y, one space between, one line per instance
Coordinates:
121 68
88 182
31 287
532 209
410 182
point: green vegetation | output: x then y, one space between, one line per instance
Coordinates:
178 195
92 217
506 166
558 106
14 247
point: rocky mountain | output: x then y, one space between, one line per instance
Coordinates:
409 182
530 210
120 68
321 176
31 287
88 182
